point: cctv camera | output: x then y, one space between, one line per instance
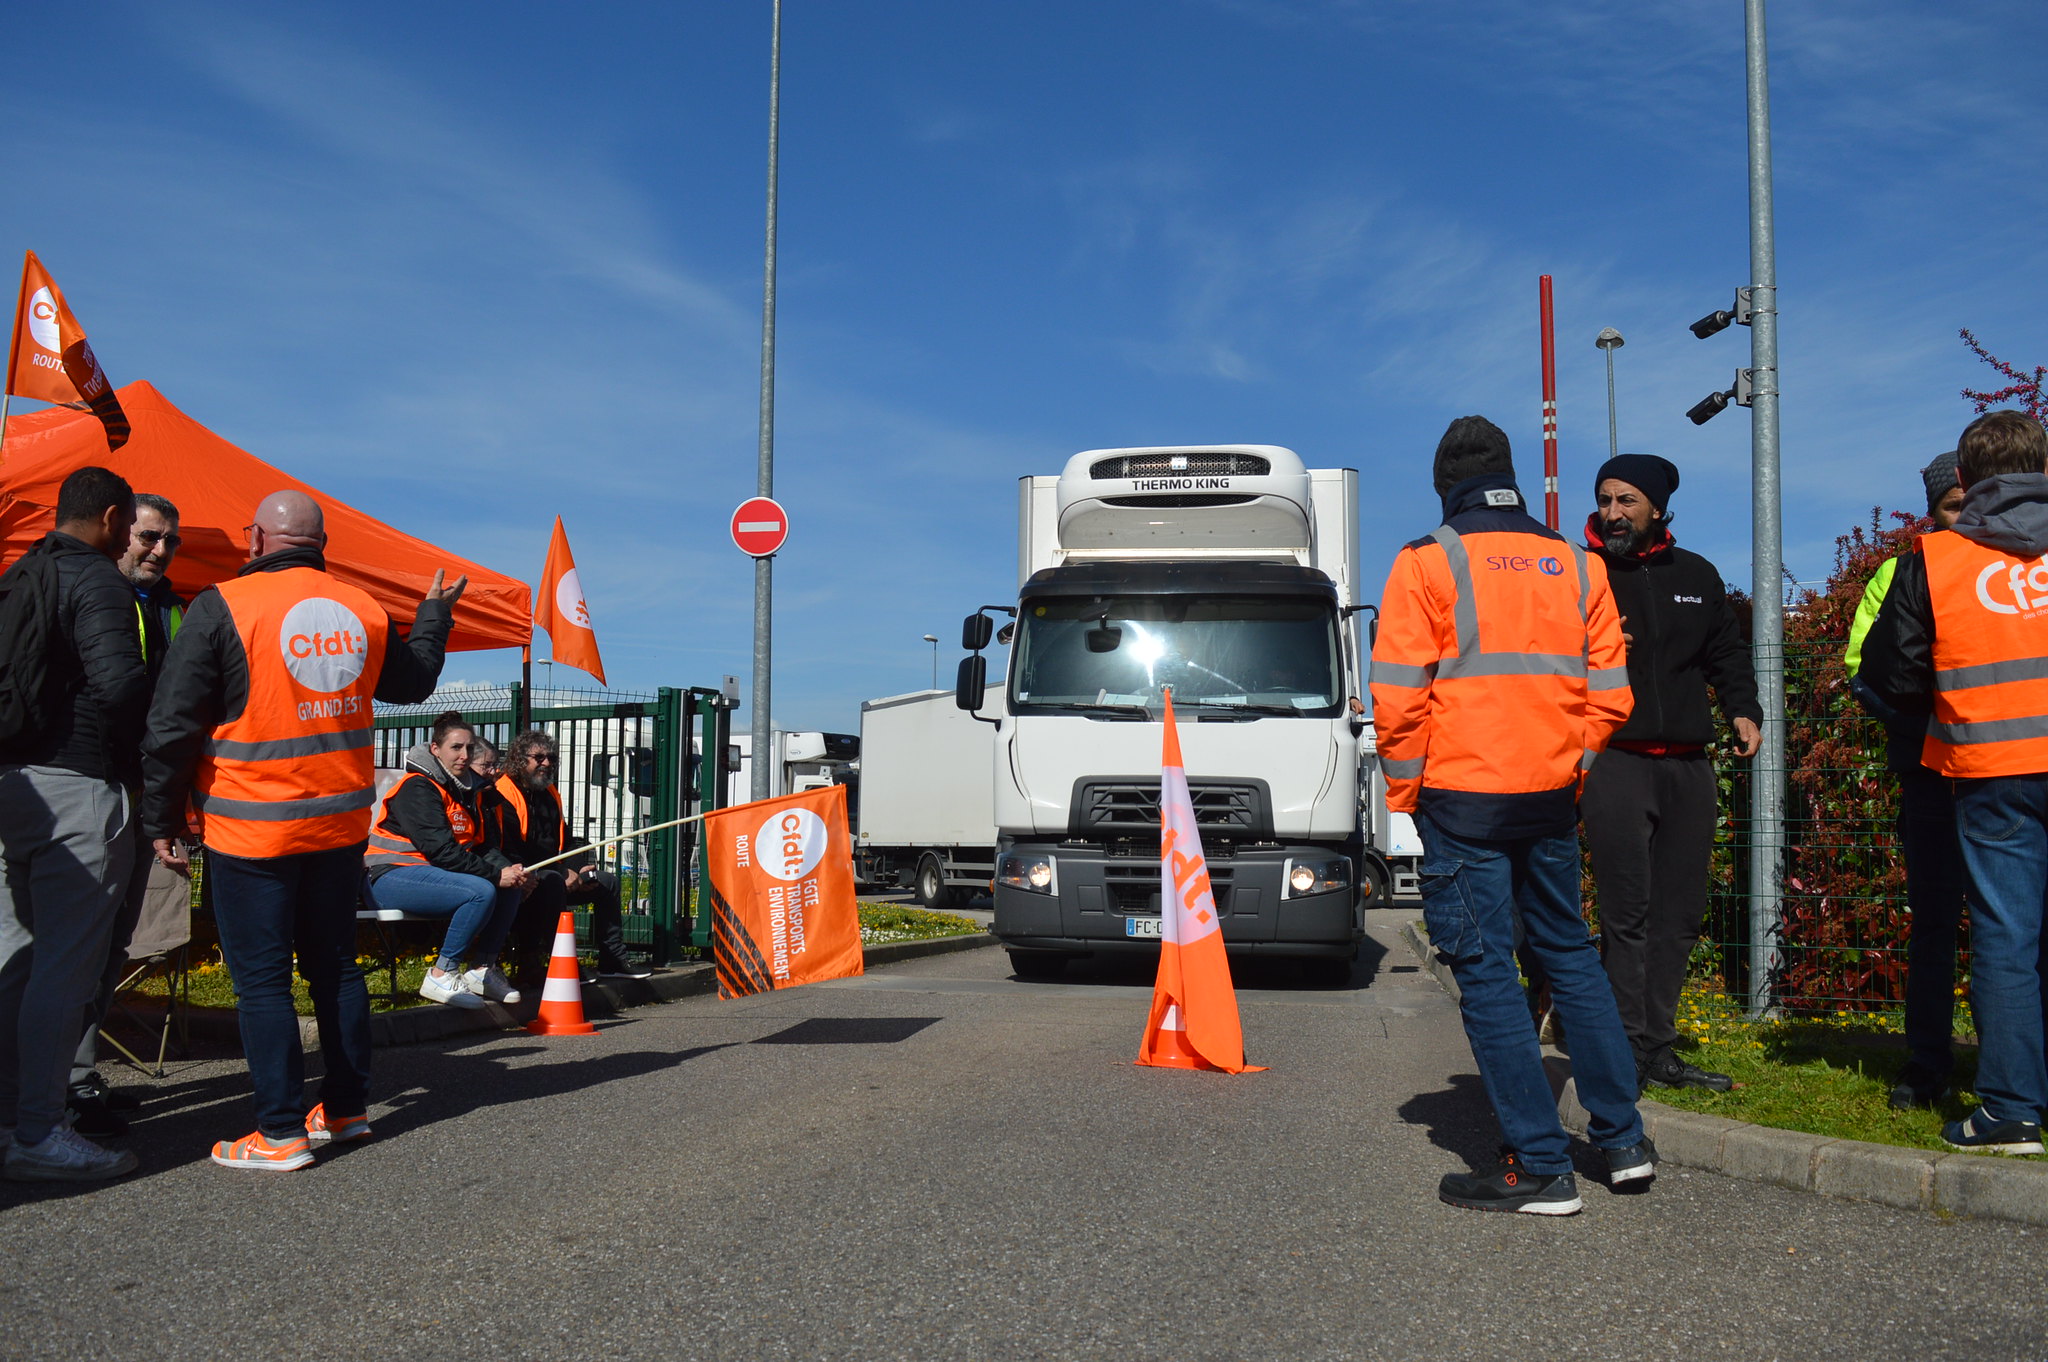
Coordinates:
1712 324
1708 407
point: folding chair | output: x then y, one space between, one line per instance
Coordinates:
160 946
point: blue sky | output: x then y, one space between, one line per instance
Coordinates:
469 266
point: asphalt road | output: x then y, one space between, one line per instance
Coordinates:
940 1161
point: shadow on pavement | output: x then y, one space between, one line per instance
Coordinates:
1459 1119
1275 972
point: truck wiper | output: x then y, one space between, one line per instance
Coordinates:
1105 708
1247 708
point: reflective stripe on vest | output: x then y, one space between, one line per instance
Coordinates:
1475 660
389 846
293 772
1990 659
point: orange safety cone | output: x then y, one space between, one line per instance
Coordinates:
561 998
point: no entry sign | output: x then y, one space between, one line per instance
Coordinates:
759 526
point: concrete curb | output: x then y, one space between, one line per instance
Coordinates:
1981 1185
607 998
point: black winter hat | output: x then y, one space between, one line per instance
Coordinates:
1939 476
1472 446
1655 476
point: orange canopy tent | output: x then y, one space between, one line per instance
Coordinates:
216 486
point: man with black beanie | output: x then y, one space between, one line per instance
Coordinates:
1650 801
1497 677
1936 883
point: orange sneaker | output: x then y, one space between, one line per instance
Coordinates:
257 1151
340 1129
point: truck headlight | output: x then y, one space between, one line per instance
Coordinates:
1033 874
1315 876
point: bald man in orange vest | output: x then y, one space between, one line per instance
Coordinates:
263 718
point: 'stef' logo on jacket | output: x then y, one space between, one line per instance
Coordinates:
791 843
324 646
2018 579
1515 562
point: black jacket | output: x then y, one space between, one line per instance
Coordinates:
160 607
95 691
1685 640
205 683
2008 513
547 831
418 814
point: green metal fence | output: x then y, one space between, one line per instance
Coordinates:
625 761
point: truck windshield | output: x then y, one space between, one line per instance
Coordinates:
1252 654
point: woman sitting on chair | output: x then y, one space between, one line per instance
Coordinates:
428 856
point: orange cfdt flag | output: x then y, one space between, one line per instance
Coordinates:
558 607
50 359
782 910
1193 1022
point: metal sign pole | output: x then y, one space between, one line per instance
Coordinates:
1767 775
764 571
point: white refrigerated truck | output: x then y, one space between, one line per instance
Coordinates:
927 798
1228 573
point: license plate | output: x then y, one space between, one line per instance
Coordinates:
1144 926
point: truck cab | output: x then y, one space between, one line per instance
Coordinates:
1225 575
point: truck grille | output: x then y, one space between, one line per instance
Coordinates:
1162 465
1133 889
1182 499
1104 808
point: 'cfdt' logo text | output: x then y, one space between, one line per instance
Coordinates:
2024 586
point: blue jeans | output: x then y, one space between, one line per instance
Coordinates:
1472 893
1936 886
266 910
479 913
2004 825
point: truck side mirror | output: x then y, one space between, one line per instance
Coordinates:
975 632
600 768
970 687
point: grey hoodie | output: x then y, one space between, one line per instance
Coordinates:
2008 513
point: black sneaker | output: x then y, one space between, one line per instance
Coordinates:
1980 1134
1669 1071
91 1116
1917 1087
605 971
115 1098
1637 1163
1511 1187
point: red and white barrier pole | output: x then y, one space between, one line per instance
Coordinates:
1549 408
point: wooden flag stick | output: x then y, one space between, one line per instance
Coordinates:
624 836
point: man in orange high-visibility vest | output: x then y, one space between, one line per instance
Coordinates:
1962 638
1497 676
263 717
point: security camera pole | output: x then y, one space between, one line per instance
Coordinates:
764 567
1767 775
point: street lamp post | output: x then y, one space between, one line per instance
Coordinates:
933 639
1609 340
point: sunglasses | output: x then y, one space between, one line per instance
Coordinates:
152 538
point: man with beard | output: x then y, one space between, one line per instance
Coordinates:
1649 804
159 898
531 828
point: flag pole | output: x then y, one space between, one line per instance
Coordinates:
622 837
524 708
5 399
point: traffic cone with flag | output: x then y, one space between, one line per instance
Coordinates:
1193 1023
561 998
